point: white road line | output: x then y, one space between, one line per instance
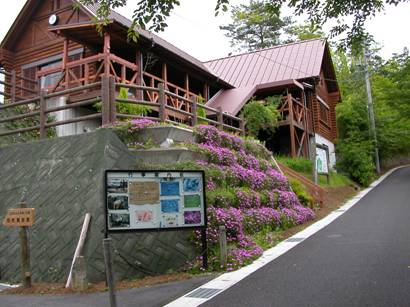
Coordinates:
227 280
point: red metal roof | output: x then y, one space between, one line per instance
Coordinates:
291 61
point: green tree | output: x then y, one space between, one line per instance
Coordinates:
390 81
308 30
261 116
156 12
256 25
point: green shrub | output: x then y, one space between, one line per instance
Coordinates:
126 108
355 158
259 116
299 189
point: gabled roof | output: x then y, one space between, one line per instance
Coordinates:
91 10
297 60
270 68
151 36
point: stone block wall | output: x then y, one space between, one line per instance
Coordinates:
63 179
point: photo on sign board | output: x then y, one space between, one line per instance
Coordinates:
119 220
192 201
117 185
169 220
144 192
191 184
192 217
170 205
144 216
117 202
169 188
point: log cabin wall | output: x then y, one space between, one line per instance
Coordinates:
325 113
32 42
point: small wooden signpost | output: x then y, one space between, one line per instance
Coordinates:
22 217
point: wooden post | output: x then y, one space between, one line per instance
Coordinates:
161 100
43 115
105 100
107 50
139 61
242 124
194 111
222 246
165 74
113 102
107 245
291 127
186 93
220 118
206 92
123 74
25 254
13 86
64 64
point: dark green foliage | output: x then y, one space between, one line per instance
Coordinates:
256 25
390 82
23 123
260 116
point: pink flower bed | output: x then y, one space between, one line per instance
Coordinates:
261 199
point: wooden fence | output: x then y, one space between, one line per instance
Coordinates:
106 93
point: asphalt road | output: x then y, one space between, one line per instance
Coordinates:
361 259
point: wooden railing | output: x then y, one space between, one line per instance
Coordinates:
292 109
106 92
14 83
315 190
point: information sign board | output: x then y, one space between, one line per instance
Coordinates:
321 161
154 200
19 217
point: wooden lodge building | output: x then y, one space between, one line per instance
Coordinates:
54 58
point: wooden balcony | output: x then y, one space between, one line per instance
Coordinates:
298 117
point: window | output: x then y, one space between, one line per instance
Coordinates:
51 79
324 111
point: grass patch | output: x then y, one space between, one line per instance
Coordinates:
300 165
335 180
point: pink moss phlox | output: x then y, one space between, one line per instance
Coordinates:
219 155
139 124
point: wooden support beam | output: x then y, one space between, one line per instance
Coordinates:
106 52
291 127
65 61
206 92
165 75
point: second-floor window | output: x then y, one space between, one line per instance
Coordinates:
324 111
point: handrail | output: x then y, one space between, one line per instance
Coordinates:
163 109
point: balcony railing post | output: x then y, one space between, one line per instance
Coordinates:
113 102
43 115
161 100
220 118
105 100
13 86
194 111
242 124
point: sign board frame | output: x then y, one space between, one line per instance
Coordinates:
326 150
156 173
